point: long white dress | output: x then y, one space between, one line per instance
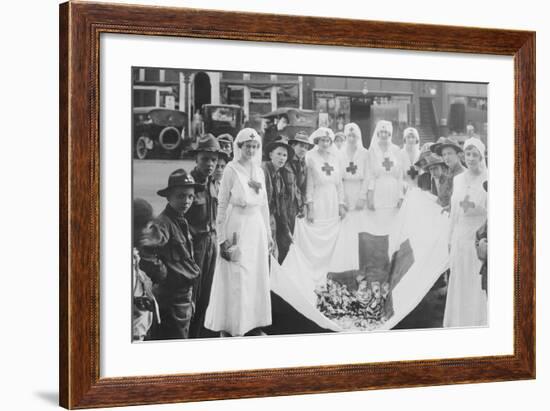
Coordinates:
354 175
240 298
324 185
466 301
386 181
308 258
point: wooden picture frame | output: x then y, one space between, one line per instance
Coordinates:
81 25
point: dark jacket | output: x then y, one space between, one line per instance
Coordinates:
299 170
443 193
280 186
202 213
446 189
175 249
482 234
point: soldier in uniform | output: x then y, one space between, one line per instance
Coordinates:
202 222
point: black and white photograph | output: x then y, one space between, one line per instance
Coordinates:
269 204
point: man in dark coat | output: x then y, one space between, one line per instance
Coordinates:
202 222
174 251
297 165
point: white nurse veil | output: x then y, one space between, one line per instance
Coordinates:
374 142
247 134
353 128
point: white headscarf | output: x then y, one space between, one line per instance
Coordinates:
374 142
352 127
416 146
323 132
247 134
477 143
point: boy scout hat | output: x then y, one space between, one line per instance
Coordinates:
180 178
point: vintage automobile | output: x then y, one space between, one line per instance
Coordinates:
297 120
159 132
221 118
215 119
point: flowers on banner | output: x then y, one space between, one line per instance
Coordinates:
360 309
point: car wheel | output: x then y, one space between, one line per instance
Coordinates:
141 148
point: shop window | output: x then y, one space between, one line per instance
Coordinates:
287 96
260 93
479 103
145 98
152 75
171 76
255 110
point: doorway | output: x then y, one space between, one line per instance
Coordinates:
202 90
360 114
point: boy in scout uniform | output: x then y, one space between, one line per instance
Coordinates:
202 221
174 249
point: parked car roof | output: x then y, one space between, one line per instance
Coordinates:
285 110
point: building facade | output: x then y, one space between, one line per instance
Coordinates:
434 108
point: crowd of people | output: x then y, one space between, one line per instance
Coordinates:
201 267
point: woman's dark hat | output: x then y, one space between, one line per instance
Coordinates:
280 142
301 137
433 160
443 142
423 159
207 144
180 178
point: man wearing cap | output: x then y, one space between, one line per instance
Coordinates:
175 252
202 222
297 165
449 149
226 144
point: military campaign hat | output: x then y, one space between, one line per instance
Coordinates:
207 144
180 178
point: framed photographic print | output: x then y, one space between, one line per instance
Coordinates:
258 205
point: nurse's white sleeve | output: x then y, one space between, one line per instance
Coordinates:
228 179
